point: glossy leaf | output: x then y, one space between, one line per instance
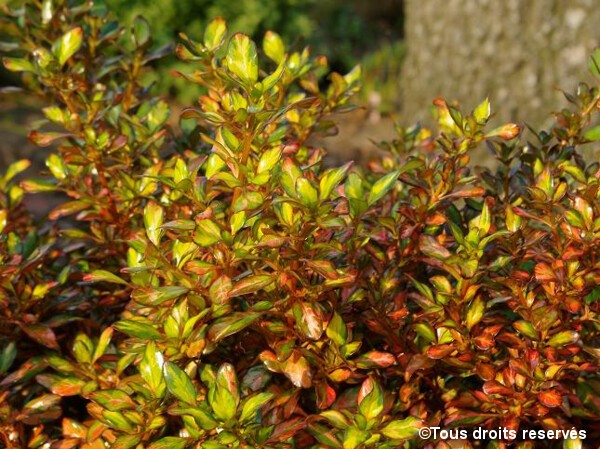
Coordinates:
214 34
273 47
382 186
232 324
67 45
402 429
242 59
179 384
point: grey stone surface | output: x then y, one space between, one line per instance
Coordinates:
520 53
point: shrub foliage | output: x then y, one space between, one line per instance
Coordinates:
217 286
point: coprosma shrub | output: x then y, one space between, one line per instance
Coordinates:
218 287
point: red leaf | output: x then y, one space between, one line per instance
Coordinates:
417 362
326 395
495 387
375 359
543 273
439 351
297 369
45 139
550 398
468 192
286 430
484 341
340 375
40 333
485 370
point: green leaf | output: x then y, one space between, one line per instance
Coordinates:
273 47
18 65
153 220
371 405
307 192
57 166
126 442
220 290
103 343
231 324
214 164
336 419
251 284
222 402
563 338
180 225
103 276
594 62
215 33
574 443
354 437
253 404
3 219
526 328
47 11
268 160
402 429
141 31
481 114
83 348
475 312
247 201
151 367
38 186
169 443
382 186
14 169
117 421
179 384
425 331
67 45
8 355
237 221
242 59
113 400
592 134
138 329
62 386
337 330
331 179
267 83
202 416
158 295
223 395
482 221
207 233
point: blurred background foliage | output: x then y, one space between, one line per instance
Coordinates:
348 32
519 53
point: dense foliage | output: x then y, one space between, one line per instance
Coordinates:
343 30
217 287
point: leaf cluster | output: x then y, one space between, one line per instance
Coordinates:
223 288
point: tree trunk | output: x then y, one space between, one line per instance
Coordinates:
519 53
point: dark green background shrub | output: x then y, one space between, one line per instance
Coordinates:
344 31
218 287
